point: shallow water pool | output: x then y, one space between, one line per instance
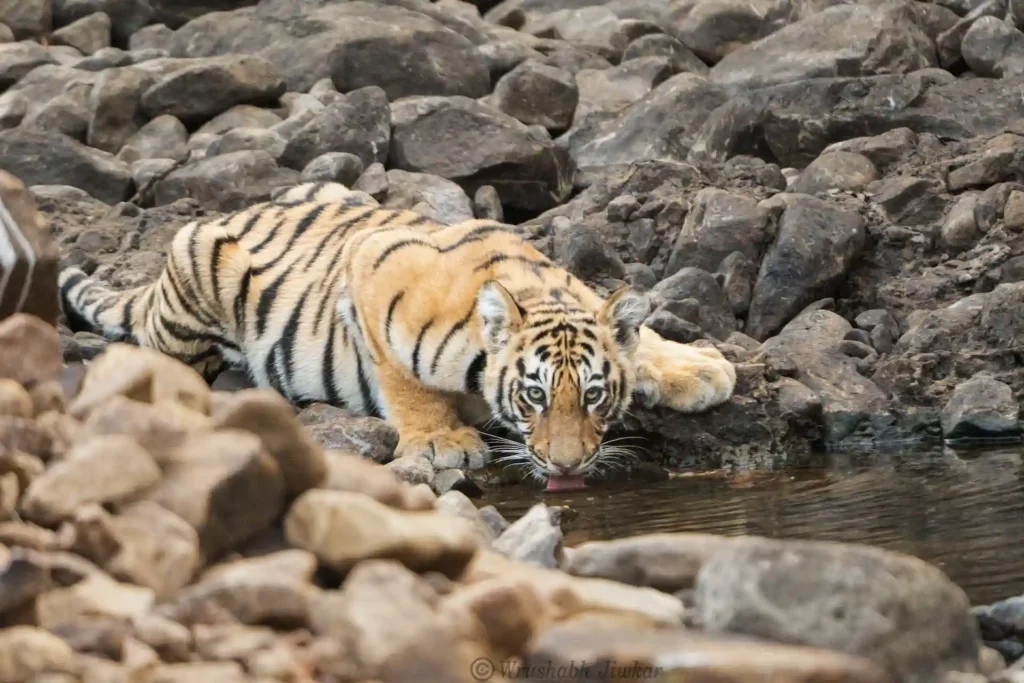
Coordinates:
962 510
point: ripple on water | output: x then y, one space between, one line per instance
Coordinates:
963 511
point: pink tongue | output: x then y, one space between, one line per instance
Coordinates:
565 482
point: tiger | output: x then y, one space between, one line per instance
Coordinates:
325 296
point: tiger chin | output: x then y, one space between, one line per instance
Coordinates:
325 296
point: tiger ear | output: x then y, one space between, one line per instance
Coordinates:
624 311
500 314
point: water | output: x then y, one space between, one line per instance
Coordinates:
963 511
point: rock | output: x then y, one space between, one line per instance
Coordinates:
155 548
836 170
981 407
487 204
535 538
995 164
457 504
528 171
159 427
337 429
358 123
681 59
240 116
373 181
609 91
993 48
106 469
867 39
737 275
815 246
807 344
898 611
881 150
67 162
227 182
349 472
272 589
29 351
343 528
960 229
198 672
269 416
666 562
444 200
714 29
351 43
27 652
537 94
152 37
95 595
210 481
245 139
114 105
6 34
14 400
32 19
662 125
87 35
68 113
165 137
592 644
18 59
713 312
196 94
333 167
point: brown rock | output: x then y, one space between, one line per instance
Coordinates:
898 611
274 589
21 579
101 635
141 374
104 469
338 429
458 504
348 472
197 672
60 429
47 396
231 642
19 434
169 639
156 549
26 535
27 652
667 562
30 349
268 415
31 259
343 528
158 428
211 481
25 468
508 610
95 595
597 646
14 400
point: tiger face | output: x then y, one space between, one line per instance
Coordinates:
559 378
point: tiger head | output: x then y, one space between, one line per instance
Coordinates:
559 378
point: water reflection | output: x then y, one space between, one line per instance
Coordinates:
962 510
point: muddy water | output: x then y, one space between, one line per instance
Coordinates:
963 511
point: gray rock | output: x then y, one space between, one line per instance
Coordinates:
714 28
718 224
907 200
663 125
948 44
898 611
609 91
981 407
583 253
40 158
680 58
115 104
714 314
882 150
809 346
358 123
991 47
960 229
6 34
445 201
537 94
1002 156
146 171
836 170
334 167
27 18
882 327
337 429
165 137
487 204
212 86
527 170
797 399
18 59
152 37
862 38
240 116
127 16
104 58
89 34
68 113
353 43
816 245
243 139
737 275
593 26
374 182
227 182
535 538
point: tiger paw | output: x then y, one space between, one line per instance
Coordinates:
447 449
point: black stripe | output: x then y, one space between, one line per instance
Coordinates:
300 228
369 405
126 314
327 369
250 224
500 391
265 302
474 375
288 337
448 337
501 258
384 255
271 234
71 281
416 348
241 299
391 312
273 375
218 244
477 234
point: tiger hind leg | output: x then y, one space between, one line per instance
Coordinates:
685 378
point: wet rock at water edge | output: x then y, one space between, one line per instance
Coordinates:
981 407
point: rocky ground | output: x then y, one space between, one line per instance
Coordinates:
828 191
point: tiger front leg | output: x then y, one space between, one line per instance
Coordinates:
427 422
685 378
